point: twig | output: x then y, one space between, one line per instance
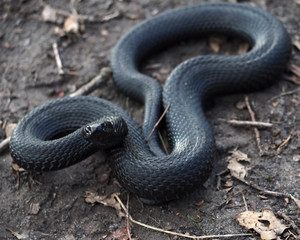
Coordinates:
249 123
176 233
252 115
245 202
290 221
57 59
127 217
264 191
281 146
101 78
4 144
285 94
163 143
156 124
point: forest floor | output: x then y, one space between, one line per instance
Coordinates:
53 205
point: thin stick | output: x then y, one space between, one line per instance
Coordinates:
176 233
127 217
264 191
250 123
285 94
252 115
245 202
156 124
4 144
282 145
163 143
101 78
57 59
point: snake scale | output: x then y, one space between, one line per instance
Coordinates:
142 167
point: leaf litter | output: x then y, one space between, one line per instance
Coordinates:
235 165
92 197
265 223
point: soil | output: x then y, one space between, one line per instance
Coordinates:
51 205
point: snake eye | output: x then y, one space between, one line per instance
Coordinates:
106 126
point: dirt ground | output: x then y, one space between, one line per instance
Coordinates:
52 205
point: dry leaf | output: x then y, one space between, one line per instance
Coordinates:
49 14
265 223
71 24
234 165
120 234
91 197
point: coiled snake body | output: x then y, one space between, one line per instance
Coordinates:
142 167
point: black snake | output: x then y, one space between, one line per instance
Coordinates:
141 167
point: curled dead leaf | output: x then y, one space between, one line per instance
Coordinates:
234 165
265 223
92 197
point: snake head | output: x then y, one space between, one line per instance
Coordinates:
106 132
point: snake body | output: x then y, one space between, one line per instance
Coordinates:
142 167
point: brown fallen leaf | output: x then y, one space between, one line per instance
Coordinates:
92 197
71 24
265 223
234 165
